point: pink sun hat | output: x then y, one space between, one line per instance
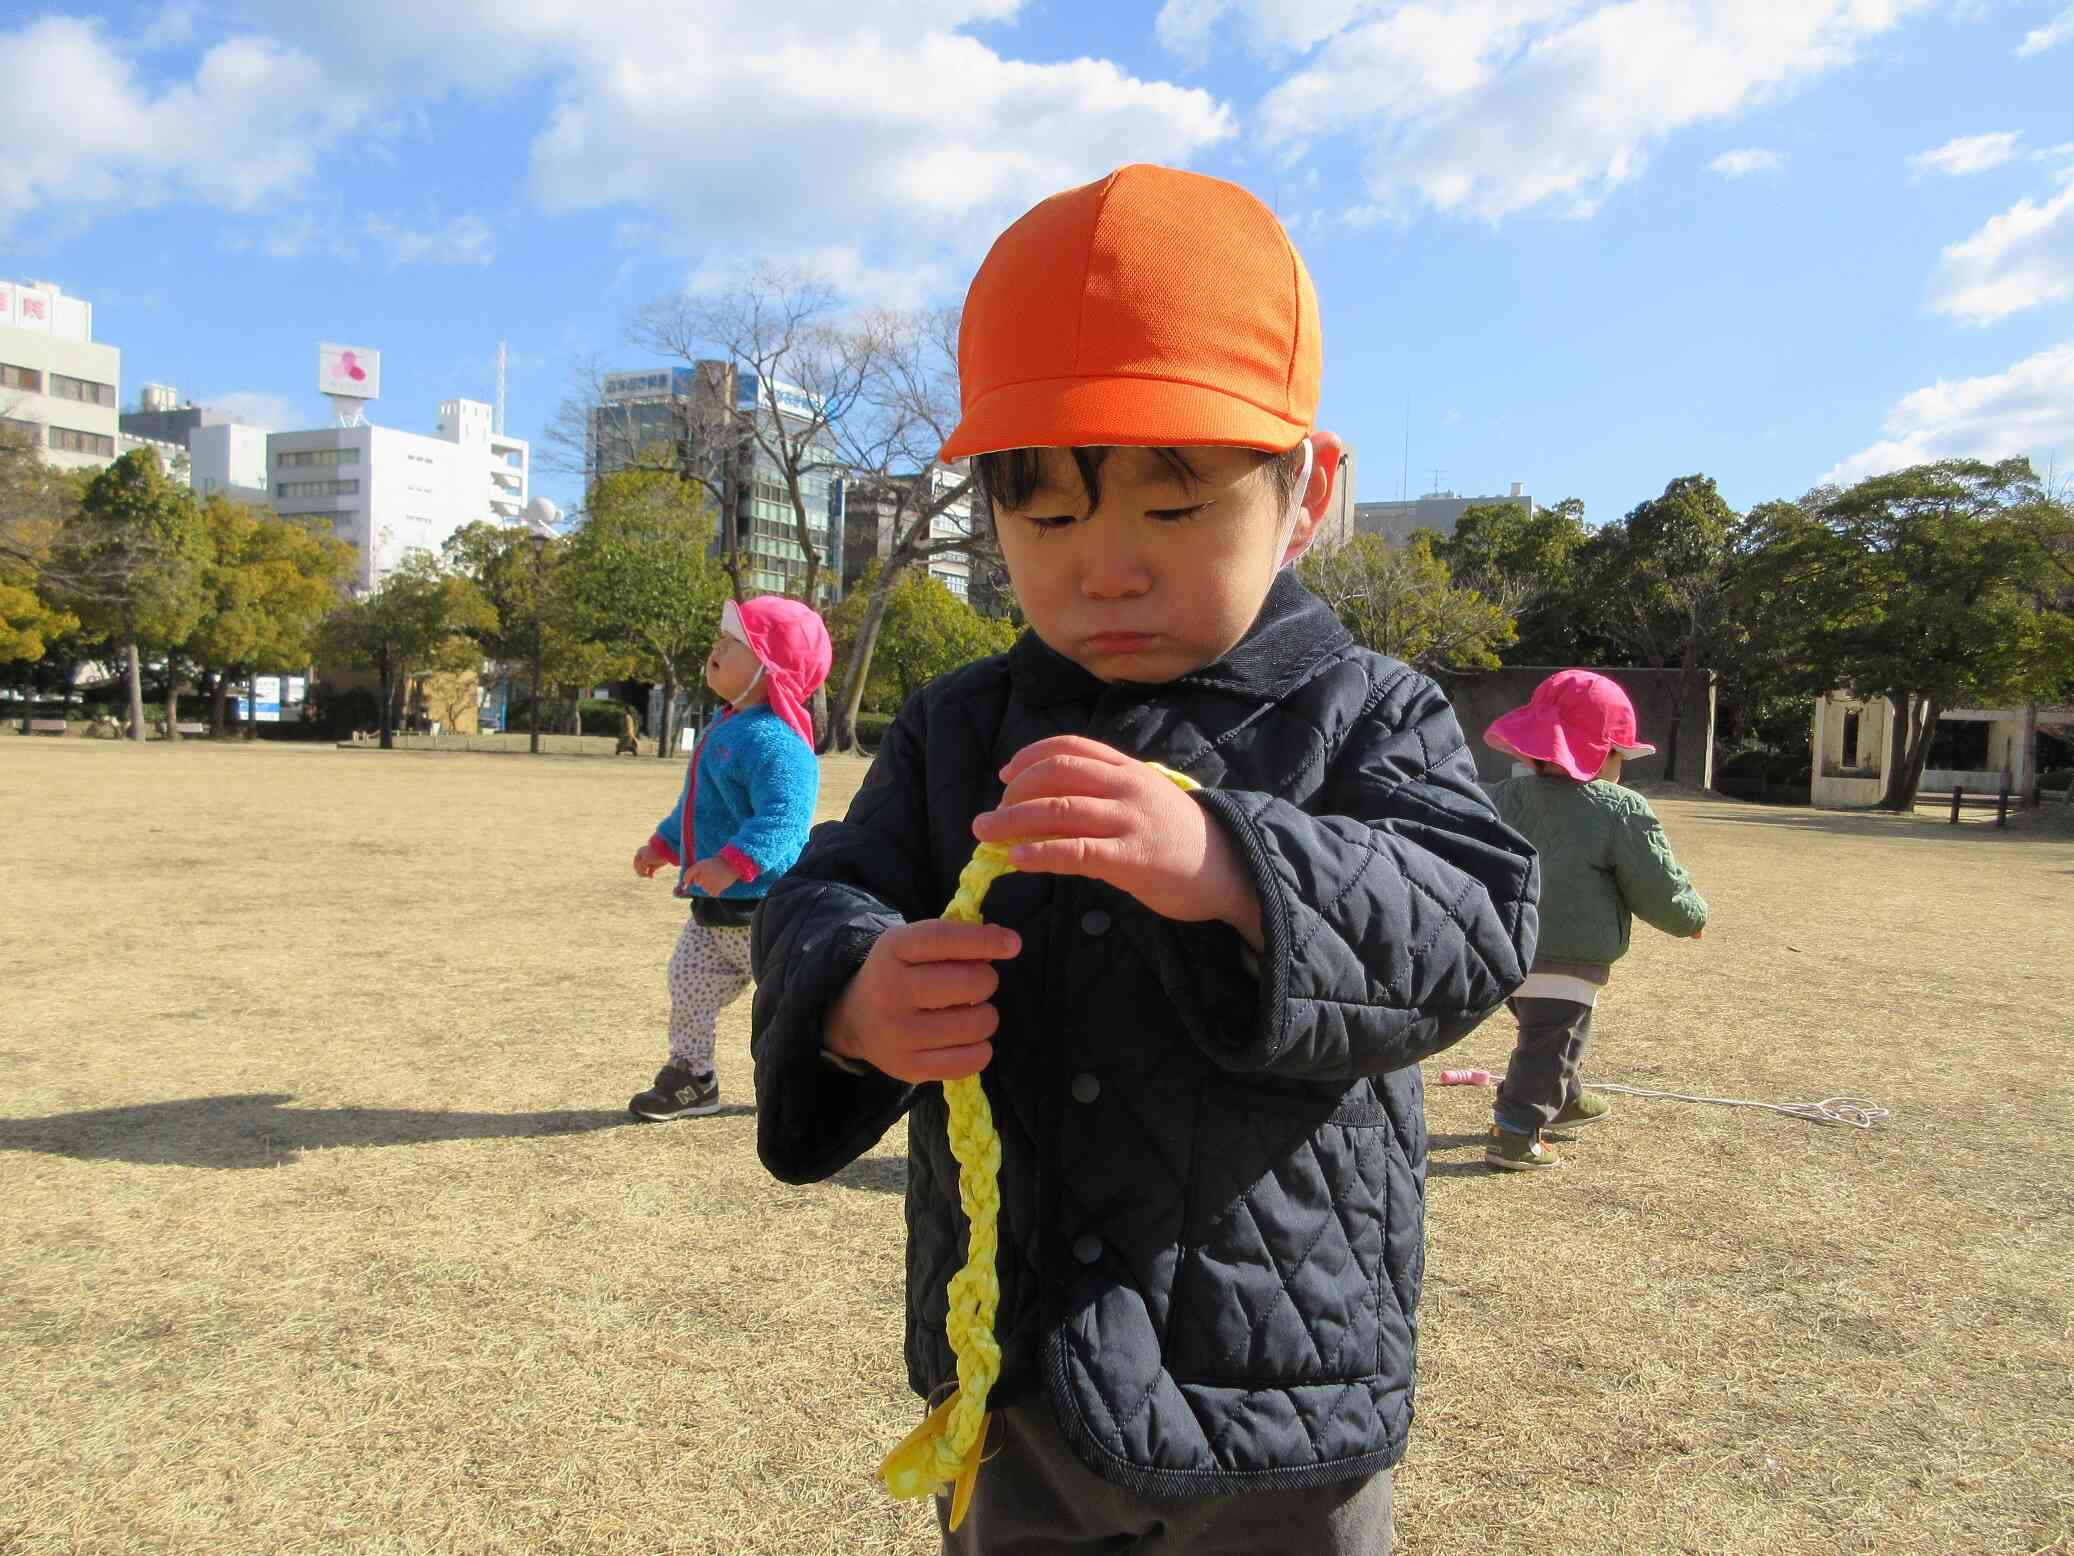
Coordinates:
1576 717
791 642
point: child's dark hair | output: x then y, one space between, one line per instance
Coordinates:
1011 477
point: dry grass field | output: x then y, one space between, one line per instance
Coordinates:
322 1230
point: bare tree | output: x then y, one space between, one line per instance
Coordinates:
902 417
784 330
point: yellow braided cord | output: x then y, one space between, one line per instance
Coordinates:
945 1449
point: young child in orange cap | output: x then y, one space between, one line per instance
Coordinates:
1197 1016
1604 862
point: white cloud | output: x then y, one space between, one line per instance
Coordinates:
948 139
2054 33
2020 259
1751 159
2027 409
1967 154
85 128
466 240
257 408
1485 108
883 122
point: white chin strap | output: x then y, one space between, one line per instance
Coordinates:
755 681
1285 557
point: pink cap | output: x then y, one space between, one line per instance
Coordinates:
1575 719
791 642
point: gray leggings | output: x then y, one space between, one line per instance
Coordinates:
1542 1079
1035 1498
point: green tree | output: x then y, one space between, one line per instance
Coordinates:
640 580
1663 581
1525 562
266 584
131 558
541 631
1402 602
33 503
1926 586
922 631
407 622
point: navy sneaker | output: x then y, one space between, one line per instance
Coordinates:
677 1093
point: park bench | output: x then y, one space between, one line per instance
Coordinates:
186 727
47 727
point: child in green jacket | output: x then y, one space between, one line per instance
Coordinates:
1604 861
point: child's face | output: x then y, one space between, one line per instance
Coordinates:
730 667
1167 574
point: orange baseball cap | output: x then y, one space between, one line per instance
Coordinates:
1153 309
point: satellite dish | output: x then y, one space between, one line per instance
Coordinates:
543 517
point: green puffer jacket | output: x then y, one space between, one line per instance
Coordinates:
1604 861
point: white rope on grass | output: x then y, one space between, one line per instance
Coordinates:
1855 1111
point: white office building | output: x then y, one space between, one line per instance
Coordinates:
389 492
223 456
57 385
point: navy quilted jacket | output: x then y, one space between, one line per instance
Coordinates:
1212 1181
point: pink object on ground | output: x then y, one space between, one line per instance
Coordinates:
1465 1077
791 642
1574 720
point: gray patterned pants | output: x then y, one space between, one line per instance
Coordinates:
1035 1498
708 972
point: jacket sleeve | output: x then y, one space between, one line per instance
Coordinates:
1395 919
669 832
1654 886
858 878
784 786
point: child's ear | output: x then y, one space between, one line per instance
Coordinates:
1328 453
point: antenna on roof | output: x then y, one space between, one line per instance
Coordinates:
502 356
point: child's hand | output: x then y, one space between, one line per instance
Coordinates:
1112 818
647 861
917 1009
712 876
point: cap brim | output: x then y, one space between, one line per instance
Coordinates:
1120 413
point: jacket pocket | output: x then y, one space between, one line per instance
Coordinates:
1282 1280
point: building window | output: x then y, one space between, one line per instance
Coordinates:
295 459
84 390
317 489
27 378
96 443
1850 754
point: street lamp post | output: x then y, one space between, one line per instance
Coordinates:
539 539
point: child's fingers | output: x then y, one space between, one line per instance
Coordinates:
1067 773
948 985
946 940
1063 815
1096 857
1061 745
926 1031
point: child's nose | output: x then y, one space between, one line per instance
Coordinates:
1110 570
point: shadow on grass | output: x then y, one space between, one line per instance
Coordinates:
256 1130
1871 823
879 1174
1470 1166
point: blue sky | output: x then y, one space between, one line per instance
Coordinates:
1594 246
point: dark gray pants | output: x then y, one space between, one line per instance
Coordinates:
1542 1080
1035 1498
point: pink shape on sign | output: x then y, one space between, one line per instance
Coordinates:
351 368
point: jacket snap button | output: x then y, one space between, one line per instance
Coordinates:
1094 922
1087 1248
1085 1087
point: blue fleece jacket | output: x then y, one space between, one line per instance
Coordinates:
758 784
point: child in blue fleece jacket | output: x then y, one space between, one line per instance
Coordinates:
748 803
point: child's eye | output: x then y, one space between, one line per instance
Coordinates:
1049 523
1175 515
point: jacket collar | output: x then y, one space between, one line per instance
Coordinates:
1294 631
